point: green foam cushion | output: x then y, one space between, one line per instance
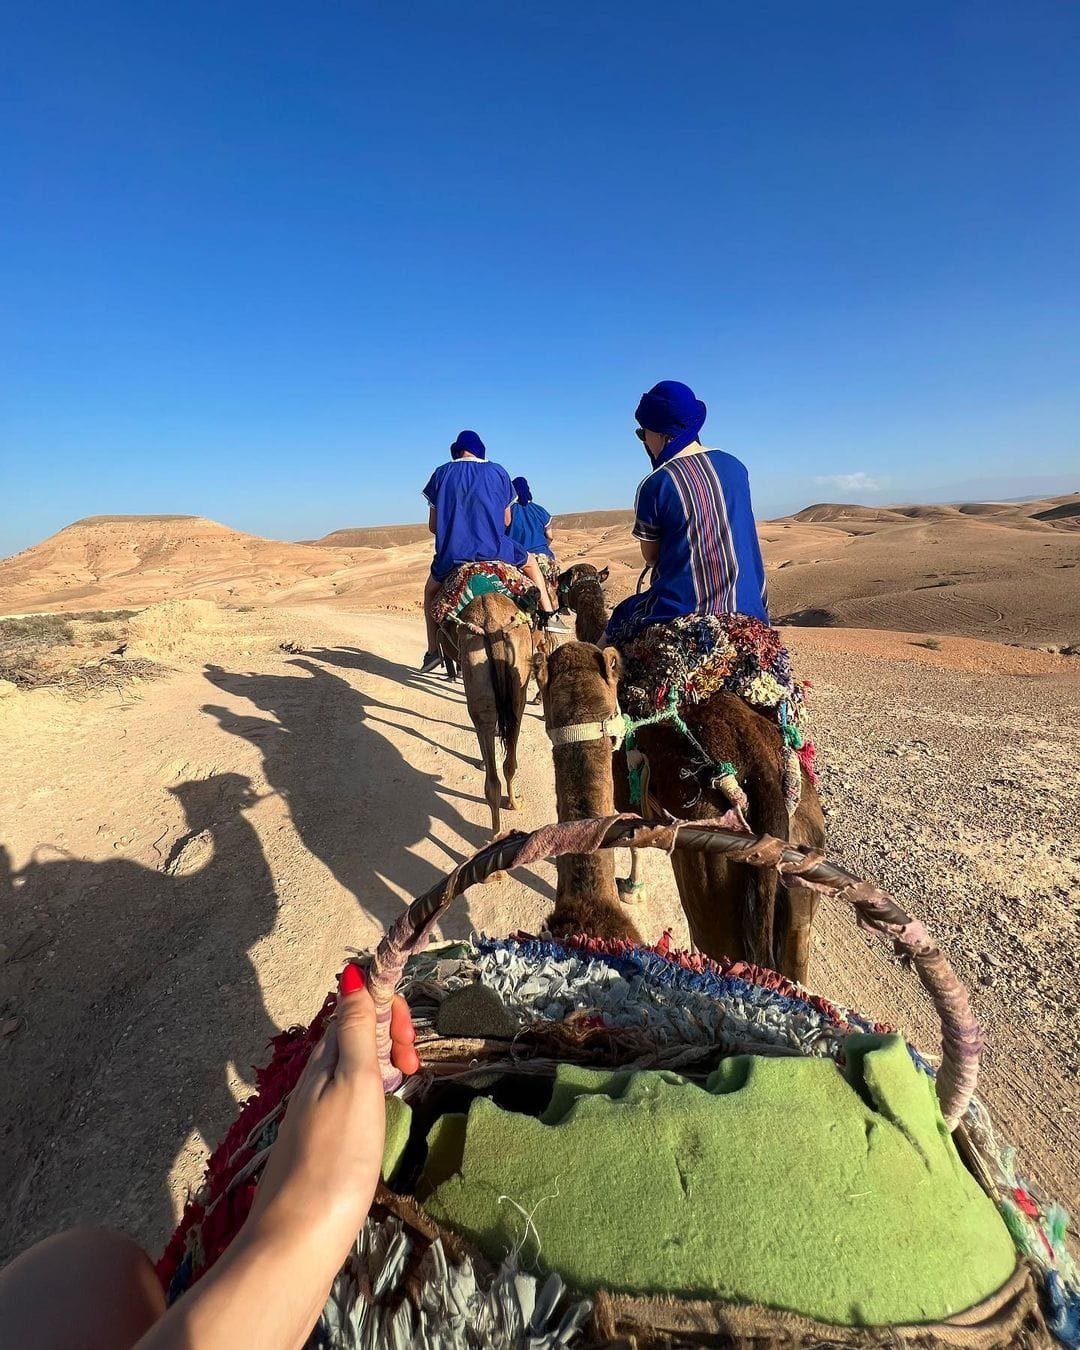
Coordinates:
783 1182
398 1124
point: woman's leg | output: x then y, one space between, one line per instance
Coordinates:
86 1289
531 568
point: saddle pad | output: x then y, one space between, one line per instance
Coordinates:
471 580
686 660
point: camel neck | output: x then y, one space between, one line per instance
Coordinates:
583 789
591 612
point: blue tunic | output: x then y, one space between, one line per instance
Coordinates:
527 525
470 497
698 508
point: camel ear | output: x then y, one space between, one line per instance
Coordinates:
612 664
603 574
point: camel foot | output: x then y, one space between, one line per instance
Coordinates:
631 892
515 803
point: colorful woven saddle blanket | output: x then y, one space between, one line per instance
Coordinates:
762 1053
472 580
684 661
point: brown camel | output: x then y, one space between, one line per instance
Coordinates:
579 684
732 909
494 648
581 589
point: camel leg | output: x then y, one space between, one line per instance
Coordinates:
632 889
492 785
802 907
514 802
710 890
807 827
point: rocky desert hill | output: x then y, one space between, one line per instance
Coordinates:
1007 571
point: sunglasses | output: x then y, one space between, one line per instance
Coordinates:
639 432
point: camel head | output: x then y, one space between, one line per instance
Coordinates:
579 682
579 572
580 687
581 589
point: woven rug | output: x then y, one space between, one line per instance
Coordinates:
472 580
686 660
549 569
409 1283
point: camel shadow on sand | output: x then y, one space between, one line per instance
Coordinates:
137 991
357 804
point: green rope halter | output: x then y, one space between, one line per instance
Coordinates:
668 713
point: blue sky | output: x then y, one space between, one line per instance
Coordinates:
261 262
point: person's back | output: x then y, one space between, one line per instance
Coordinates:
469 510
529 524
470 498
694 521
697 507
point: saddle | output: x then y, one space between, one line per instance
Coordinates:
667 666
472 580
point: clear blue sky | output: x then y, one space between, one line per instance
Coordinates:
261 261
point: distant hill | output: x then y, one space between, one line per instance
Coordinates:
984 569
371 536
394 536
150 558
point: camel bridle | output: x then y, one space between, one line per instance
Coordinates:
612 728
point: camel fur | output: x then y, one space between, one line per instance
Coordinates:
732 909
581 588
579 683
495 664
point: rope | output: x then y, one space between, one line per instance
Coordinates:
724 778
961 1036
519 618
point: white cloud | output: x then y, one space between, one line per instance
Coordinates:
852 482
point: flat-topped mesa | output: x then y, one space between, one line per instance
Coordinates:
587 901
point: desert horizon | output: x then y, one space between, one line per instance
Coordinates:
1004 571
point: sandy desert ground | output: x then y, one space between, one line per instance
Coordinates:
186 857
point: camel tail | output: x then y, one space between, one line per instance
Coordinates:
765 908
500 655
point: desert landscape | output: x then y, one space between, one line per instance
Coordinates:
220 774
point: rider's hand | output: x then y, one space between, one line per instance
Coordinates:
321 1176
269 1288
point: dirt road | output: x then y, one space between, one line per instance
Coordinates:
186 866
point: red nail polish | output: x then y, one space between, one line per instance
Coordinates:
351 981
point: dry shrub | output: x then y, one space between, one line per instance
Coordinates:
114 673
35 630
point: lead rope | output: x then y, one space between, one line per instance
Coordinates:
724 776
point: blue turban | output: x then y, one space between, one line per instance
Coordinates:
524 492
468 442
673 410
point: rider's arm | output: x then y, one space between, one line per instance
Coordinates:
508 516
431 519
648 519
549 533
269 1288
